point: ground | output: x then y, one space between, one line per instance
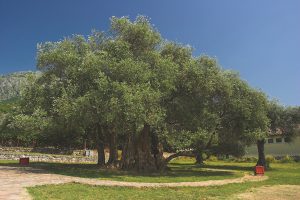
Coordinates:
276 192
282 178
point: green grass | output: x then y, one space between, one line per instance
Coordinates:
279 174
180 171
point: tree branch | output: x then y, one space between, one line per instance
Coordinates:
181 153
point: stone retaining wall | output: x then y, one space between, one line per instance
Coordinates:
43 150
48 158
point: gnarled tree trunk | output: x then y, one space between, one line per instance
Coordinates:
145 159
128 154
157 151
142 152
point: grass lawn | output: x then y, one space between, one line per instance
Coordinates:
281 173
180 171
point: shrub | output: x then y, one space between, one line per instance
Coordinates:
243 159
250 159
271 159
287 159
212 158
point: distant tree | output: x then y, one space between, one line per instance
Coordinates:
285 120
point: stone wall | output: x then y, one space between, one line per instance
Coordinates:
47 154
43 150
48 158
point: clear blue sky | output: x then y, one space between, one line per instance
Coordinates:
258 38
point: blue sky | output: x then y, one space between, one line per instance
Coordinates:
258 38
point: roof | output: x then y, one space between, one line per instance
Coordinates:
277 132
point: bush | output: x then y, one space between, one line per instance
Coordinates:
243 159
287 159
271 159
183 159
250 159
212 158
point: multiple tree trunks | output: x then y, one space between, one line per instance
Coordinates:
128 154
144 153
141 152
138 153
145 160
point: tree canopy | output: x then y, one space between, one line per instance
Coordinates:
131 89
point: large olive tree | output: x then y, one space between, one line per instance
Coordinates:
131 89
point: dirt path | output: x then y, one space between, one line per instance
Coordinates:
276 192
14 180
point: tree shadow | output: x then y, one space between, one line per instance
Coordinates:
176 171
220 167
230 167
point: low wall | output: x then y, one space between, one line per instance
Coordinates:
48 158
43 150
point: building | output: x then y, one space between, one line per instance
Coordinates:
278 145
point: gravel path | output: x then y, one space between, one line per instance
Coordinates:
14 180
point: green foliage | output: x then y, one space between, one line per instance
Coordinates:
250 159
213 158
7 106
130 78
11 85
284 120
287 159
214 110
119 81
271 159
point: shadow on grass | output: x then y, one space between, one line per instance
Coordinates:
221 167
177 171
230 167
